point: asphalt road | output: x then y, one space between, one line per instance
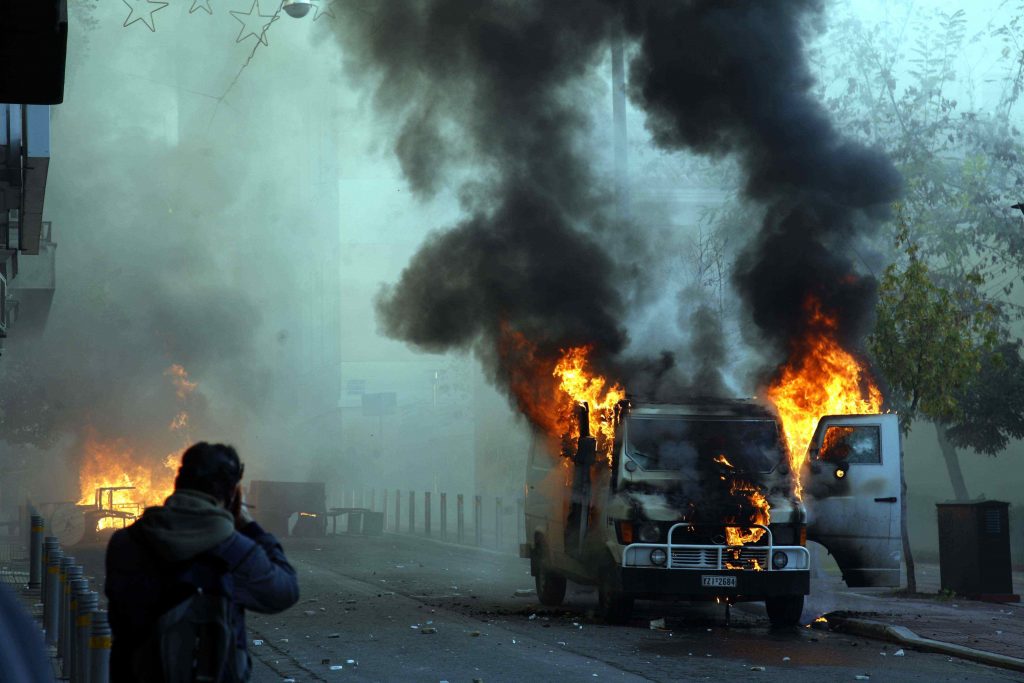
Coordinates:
397 608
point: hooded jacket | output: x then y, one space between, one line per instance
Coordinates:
145 563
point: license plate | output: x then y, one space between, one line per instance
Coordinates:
718 581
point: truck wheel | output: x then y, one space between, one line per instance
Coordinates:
784 610
612 605
550 586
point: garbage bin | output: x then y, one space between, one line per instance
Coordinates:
974 550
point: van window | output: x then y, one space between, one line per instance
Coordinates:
858 444
673 443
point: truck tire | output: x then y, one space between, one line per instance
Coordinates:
784 610
613 605
550 586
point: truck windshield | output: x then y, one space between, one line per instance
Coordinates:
672 443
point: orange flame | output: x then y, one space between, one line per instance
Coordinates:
180 421
179 377
820 378
722 460
114 464
581 385
548 389
760 515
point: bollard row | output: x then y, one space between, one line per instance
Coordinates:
500 535
72 621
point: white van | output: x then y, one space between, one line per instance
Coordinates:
661 520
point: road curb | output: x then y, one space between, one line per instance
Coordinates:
904 636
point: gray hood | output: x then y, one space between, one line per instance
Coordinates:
187 524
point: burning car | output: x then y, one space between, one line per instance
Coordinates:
696 500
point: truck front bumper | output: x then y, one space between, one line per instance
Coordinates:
657 582
751 572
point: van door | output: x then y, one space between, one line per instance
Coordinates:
540 508
577 521
852 495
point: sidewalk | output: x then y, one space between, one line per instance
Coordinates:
986 627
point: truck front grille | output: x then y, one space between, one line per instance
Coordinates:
719 557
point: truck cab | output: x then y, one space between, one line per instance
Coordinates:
695 501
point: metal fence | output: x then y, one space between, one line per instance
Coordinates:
495 522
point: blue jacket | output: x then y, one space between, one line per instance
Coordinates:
191 534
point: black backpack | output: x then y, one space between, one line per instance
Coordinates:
194 641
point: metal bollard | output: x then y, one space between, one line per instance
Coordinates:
78 586
71 572
50 543
373 500
52 588
412 512
497 523
35 544
426 513
99 648
444 516
398 510
88 602
460 518
478 517
384 508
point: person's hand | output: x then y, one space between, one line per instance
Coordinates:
239 509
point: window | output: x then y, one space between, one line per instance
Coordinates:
675 443
854 445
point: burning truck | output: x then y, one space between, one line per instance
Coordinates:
714 499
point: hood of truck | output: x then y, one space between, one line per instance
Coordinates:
663 496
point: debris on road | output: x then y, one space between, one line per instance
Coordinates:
657 624
525 593
428 630
899 653
757 668
257 643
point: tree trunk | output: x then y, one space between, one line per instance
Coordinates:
908 557
956 476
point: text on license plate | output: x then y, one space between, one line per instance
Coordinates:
718 581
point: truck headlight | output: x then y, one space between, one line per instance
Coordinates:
780 560
649 533
658 557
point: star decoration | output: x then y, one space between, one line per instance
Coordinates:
251 20
142 10
323 8
200 4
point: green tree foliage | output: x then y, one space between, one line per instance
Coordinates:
929 340
991 406
902 84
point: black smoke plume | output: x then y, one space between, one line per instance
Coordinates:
499 86
723 77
